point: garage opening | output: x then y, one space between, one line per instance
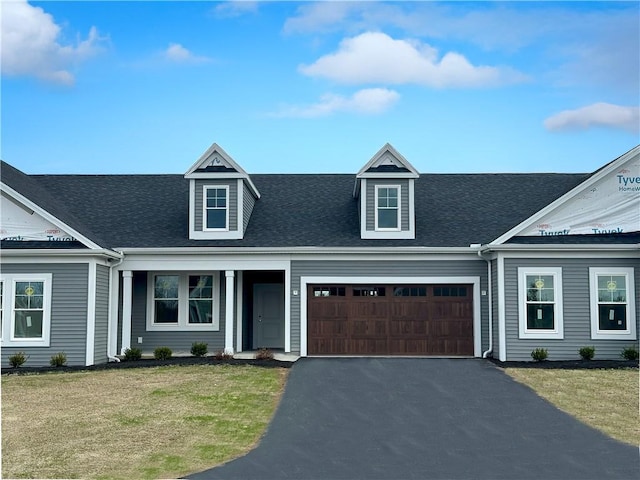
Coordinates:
424 320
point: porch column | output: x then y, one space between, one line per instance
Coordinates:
127 288
228 315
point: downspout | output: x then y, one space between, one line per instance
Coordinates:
112 358
489 351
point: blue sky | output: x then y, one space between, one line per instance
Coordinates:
305 87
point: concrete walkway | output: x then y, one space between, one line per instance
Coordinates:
395 418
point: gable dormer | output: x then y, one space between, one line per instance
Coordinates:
221 197
385 187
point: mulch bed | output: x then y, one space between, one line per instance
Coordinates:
148 363
570 364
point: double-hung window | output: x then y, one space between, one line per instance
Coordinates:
387 208
183 301
216 208
540 302
25 309
612 303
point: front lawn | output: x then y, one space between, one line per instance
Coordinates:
604 399
159 422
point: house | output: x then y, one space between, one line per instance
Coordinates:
388 261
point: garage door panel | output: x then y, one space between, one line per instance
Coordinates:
390 320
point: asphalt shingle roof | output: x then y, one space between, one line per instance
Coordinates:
452 210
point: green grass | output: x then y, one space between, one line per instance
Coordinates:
604 399
161 422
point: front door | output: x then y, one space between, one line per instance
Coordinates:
268 315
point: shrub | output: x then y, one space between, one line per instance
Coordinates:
17 359
222 355
539 354
58 360
199 349
131 354
264 354
587 353
162 353
629 353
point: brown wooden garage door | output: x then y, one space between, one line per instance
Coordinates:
390 320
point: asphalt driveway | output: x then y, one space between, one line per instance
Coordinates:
395 418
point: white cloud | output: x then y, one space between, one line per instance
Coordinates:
235 8
375 57
596 115
30 45
369 101
178 54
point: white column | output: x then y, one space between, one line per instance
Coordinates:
127 288
228 313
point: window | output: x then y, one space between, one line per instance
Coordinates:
369 291
328 291
25 309
216 211
449 291
410 291
612 305
182 301
387 207
540 302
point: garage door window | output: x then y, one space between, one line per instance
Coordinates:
449 291
369 291
410 291
328 291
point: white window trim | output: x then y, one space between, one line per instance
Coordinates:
596 333
399 209
204 208
558 331
8 309
183 324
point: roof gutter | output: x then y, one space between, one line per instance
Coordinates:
295 250
551 247
71 252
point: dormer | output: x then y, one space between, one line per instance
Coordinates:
221 197
385 187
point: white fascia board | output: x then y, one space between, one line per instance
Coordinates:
388 175
388 148
240 172
597 176
47 216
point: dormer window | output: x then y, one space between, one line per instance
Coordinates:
216 211
388 208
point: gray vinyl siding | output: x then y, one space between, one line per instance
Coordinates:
399 268
69 290
371 201
233 201
179 342
102 315
248 202
576 310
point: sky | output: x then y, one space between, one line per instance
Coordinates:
318 87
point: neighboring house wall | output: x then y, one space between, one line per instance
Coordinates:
248 202
102 315
178 341
233 201
68 313
399 268
371 201
576 310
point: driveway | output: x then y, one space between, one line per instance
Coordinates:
405 418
